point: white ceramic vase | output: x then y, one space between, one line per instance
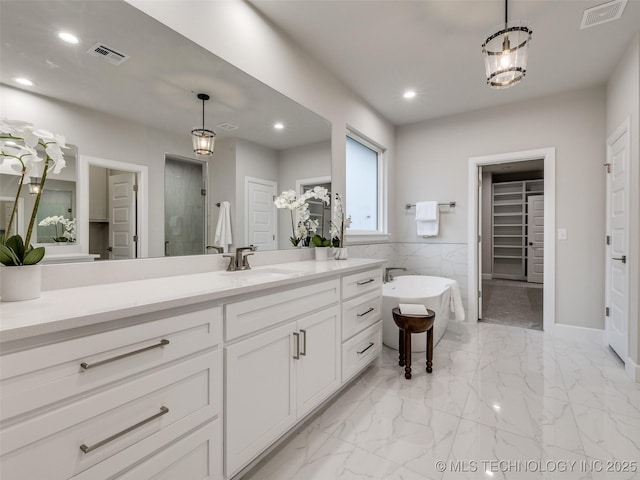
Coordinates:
340 253
20 283
322 253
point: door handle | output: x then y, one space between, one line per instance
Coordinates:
303 352
623 258
297 355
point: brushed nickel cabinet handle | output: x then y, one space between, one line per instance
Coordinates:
90 448
297 355
304 343
87 366
371 309
371 344
365 282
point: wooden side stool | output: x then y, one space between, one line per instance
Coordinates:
407 325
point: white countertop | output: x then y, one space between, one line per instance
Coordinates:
58 310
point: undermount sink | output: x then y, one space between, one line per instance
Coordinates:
265 273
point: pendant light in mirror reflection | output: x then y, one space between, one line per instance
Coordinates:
505 53
34 185
203 138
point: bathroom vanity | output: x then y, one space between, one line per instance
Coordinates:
190 376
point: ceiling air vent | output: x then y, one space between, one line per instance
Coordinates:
602 13
227 126
112 56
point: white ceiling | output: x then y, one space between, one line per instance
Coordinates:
157 86
381 48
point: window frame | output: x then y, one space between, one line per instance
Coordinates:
382 233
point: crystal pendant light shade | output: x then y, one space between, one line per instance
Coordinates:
203 138
505 53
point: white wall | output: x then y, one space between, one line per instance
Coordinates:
239 34
623 102
432 159
221 187
105 136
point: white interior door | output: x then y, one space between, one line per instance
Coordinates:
617 269
535 239
122 216
261 213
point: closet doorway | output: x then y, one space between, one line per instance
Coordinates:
512 225
519 255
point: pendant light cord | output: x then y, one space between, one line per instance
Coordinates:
203 113
505 13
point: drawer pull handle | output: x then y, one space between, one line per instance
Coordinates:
371 309
297 355
364 282
304 343
371 344
87 449
87 366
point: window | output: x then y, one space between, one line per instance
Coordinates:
364 190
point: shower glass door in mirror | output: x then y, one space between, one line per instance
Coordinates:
185 209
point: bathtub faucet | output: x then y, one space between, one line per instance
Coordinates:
387 273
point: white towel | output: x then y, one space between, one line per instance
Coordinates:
427 219
455 300
412 309
223 236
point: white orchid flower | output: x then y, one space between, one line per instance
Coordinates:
60 164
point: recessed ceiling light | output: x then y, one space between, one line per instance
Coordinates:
496 407
278 126
24 81
409 94
68 37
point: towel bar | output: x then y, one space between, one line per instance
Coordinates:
407 206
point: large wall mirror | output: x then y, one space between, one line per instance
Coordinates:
125 96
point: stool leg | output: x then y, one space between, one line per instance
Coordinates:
430 350
407 354
401 347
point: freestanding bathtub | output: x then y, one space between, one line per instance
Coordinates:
433 292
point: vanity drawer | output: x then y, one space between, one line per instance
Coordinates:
254 314
132 414
361 350
44 375
361 283
360 312
197 456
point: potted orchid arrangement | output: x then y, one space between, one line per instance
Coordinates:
339 224
322 194
67 232
25 149
289 200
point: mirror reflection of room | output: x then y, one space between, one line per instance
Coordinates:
135 114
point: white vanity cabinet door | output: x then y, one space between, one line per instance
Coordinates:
362 282
259 394
318 368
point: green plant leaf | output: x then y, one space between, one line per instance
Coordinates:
33 256
7 257
16 244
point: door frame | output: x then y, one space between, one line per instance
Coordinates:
549 156
261 181
142 220
623 128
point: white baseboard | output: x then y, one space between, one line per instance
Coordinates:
594 335
632 369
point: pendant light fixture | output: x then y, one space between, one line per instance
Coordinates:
505 53
203 138
34 185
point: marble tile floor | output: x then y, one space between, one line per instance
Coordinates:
502 402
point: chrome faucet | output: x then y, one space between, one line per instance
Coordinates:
388 277
239 261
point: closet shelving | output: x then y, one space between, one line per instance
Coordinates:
509 227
